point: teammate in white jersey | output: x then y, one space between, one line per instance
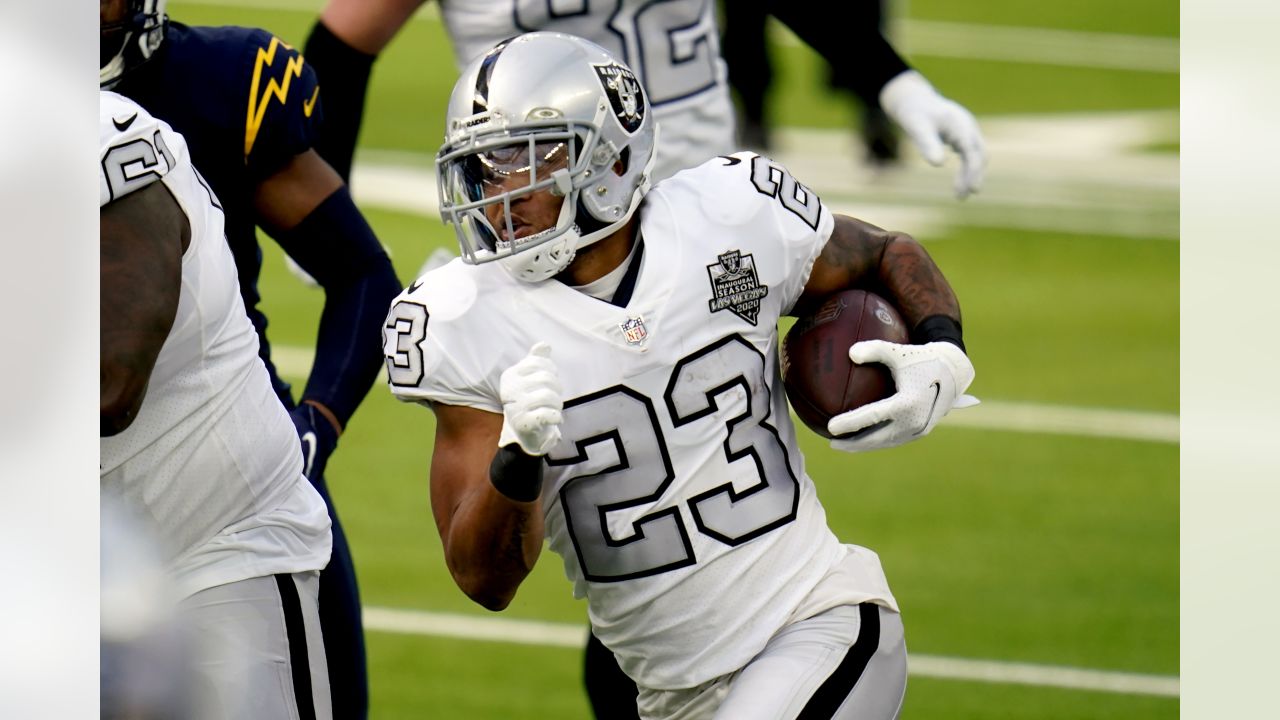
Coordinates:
602 363
193 437
674 49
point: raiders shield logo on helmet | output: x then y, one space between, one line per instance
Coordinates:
624 92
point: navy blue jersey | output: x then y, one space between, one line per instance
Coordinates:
247 103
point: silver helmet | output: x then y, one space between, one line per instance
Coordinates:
125 44
543 112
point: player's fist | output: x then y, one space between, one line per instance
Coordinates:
531 402
930 379
931 121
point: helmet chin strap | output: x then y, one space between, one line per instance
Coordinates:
546 260
551 257
609 229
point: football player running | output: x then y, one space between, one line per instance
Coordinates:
193 438
250 110
675 49
602 364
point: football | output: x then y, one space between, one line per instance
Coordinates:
820 379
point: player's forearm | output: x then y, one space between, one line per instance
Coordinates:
492 545
857 43
337 247
343 71
487 504
914 283
368 25
349 341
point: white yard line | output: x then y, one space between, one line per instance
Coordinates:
1067 48
1005 43
294 362
1011 43
1043 675
1063 420
1073 173
1076 173
568 635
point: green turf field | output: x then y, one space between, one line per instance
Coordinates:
1031 547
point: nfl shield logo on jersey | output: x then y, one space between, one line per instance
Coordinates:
623 89
634 331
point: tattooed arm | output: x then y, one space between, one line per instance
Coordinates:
490 540
142 237
932 373
892 264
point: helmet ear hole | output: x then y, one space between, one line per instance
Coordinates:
624 161
587 222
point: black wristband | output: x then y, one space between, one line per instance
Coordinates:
938 327
515 474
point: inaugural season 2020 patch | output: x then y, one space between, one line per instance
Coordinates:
735 286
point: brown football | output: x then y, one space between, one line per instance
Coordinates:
820 379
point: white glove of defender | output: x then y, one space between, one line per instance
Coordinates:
930 378
531 402
930 120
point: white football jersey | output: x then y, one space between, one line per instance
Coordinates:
677 496
212 458
673 47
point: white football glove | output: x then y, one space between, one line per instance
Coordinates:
930 378
930 120
531 402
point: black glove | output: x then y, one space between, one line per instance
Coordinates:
319 438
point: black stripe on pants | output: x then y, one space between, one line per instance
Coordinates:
827 698
300 664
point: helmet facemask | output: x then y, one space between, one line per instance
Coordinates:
498 190
130 41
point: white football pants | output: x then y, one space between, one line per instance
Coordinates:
848 663
258 651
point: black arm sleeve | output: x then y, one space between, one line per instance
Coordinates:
857 42
338 248
344 73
